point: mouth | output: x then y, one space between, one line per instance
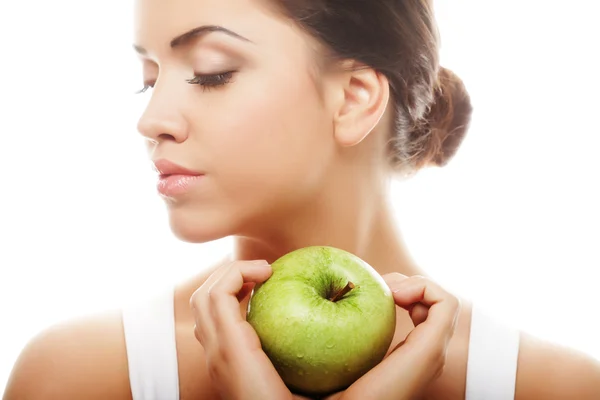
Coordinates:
175 180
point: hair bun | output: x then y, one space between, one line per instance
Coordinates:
447 121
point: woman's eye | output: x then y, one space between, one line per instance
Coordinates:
211 80
207 81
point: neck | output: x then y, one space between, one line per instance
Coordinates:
362 224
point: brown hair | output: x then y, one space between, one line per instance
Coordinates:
398 38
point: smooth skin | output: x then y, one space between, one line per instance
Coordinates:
293 156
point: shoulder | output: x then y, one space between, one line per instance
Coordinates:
549 371
544 370
87 357
83 358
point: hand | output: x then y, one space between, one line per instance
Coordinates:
420 358
236 362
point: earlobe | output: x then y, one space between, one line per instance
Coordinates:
366 94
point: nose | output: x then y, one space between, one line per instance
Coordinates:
163 120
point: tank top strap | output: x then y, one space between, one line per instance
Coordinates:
492 359
149 330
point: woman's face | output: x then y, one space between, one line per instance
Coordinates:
241 102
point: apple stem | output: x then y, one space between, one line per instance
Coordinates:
349 286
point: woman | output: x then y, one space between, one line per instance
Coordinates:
281 123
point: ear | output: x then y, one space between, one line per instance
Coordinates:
365 98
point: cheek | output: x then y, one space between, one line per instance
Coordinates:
271 135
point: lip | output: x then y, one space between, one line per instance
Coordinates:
165 168
175 180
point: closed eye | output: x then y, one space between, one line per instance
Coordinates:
207 81
212 80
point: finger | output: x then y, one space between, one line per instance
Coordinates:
239 277
442 306
426 302
393 279
223 294
382 381
241 352
415 289
245 291
421 357
196 300
434 313
419 313
204 329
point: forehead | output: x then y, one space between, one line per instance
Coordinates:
157 22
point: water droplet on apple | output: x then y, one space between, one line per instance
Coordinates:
300 355
330 345
300 372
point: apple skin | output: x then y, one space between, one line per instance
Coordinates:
319 346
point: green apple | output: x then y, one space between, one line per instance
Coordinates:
324 318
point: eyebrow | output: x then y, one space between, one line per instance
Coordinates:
192 34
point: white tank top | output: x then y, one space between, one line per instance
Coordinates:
149 330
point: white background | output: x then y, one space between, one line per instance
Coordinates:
512 221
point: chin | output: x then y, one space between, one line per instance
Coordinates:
198 227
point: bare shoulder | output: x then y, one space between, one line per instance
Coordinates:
550 371
544 371
83 358
86 358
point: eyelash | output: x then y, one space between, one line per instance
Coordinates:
211 80
206 81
